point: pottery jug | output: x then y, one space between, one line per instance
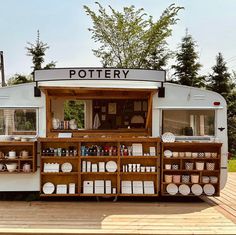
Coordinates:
24 154
12 154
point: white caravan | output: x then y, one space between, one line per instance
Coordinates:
190 113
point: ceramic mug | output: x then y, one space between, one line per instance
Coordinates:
26 168
2 167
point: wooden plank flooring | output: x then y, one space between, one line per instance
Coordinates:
226 203
216 216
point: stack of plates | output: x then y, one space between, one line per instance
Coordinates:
111 166
66 167
168 137
208 189
196 189
184 189
168 153
48 188
172 189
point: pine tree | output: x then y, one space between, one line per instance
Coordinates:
220 80
37 51
187 67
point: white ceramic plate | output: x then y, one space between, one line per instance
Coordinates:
172 189
196 189
66 167
48 188
184 189
208 189
168 153
168 137
111 166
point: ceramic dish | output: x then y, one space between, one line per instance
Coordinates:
111 166
168 153
48 188
184 189
196 189
168 137
208 189
172 189
66 167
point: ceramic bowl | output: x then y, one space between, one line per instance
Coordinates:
11 167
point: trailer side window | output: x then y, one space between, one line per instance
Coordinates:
18 121
189 122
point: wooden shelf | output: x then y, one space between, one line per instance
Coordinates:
135 157
138 195
18 147
59 195
189 183
97 157
59 158
139 173
98 195
184 170
191 158
191 147
99 173
59 173
17 143
115 177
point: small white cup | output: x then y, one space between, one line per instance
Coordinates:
148 168
153 168
142 168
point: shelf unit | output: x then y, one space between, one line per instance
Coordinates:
77 176
18 147
199 149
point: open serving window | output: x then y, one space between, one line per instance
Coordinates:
96 111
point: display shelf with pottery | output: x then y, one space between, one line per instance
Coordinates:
15 154
198 170
103 164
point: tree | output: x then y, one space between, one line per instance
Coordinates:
37 51
187 67
131 39
220 81
19 78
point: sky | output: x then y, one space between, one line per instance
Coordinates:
63 25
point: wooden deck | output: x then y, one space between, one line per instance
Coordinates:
226 203
216 216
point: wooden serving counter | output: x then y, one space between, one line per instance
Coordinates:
142 167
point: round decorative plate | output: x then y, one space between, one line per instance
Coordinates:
111 166
66 167
208 189
172 189
168 137
48 188
168 153
184 189
196 189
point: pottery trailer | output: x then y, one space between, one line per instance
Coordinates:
80 132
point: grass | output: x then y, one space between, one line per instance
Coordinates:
232 165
